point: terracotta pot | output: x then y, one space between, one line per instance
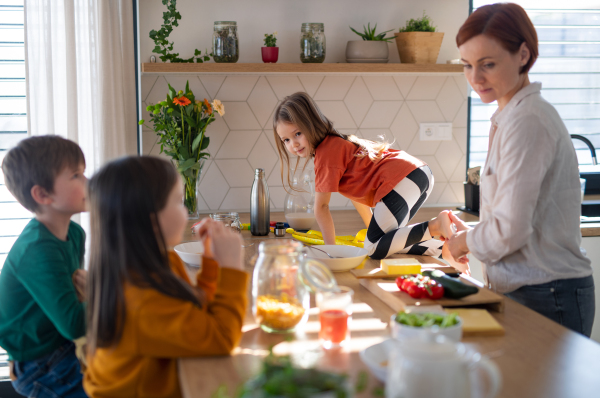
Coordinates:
358 51
270 54
419 47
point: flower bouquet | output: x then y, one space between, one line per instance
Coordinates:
180 121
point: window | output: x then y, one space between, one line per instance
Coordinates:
13 114
568 68
13 126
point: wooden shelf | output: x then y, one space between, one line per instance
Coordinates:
299 68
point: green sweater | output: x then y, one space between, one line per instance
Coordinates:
39 309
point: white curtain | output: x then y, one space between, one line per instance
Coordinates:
81 75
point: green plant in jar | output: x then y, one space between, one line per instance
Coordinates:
226 46
312 43
180 121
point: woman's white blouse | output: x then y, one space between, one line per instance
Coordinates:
529 230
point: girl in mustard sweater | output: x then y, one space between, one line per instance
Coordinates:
143 312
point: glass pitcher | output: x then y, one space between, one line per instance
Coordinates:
299 204
281 285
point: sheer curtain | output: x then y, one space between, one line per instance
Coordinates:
81 75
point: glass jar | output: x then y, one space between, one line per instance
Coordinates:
299 204
312 42
229 219
226 46
281 285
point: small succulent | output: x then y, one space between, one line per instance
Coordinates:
271 40
370 35
419 25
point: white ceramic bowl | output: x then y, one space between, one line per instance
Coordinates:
376 358
190 253
402 332
352 256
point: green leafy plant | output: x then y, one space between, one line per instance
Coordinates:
271 40
423 24
180 121
279 378
163 46
369 34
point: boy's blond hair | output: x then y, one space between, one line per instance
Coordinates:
37 161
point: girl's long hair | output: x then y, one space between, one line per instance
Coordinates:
127 245
300 109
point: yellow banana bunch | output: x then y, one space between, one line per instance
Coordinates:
316 238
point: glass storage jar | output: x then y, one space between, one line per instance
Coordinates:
299 204
229 219
312 42
281 284
226 45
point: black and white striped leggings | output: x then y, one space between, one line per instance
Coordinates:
388 232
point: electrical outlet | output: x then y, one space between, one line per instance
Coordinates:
435 131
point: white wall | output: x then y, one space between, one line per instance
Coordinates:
257 17
366 105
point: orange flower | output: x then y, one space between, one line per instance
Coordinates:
183 101
208 107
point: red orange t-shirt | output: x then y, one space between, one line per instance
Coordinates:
337 169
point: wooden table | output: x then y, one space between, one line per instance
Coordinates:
537 357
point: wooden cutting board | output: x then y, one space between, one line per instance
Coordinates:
388 292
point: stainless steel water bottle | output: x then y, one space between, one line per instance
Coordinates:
260 209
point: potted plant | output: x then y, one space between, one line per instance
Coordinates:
373 48
418 42
180 121
270 52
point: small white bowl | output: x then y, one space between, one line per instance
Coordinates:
402 332
190 253
352 256
376 358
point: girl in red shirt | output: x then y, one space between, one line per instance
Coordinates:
370 174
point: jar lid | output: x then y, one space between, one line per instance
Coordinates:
317 277
319 25
225 23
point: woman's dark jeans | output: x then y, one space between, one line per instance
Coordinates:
570 302
53 376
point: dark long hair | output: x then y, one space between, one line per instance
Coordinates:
127 245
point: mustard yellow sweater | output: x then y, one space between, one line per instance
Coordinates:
160 329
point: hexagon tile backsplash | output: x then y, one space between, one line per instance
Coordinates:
365 105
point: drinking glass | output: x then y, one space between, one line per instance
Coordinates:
335 316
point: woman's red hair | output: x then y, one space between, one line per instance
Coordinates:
507 23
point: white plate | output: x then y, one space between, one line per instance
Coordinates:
190 252
352 256
377 354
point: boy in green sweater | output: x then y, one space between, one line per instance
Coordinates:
42 283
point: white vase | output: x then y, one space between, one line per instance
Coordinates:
366 51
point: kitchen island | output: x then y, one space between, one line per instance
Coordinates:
537 357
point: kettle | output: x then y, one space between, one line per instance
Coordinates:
434 366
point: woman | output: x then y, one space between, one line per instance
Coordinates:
528 236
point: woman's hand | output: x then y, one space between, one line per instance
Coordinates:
79 279
462 264
221 244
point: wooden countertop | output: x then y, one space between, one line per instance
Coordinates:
537 357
